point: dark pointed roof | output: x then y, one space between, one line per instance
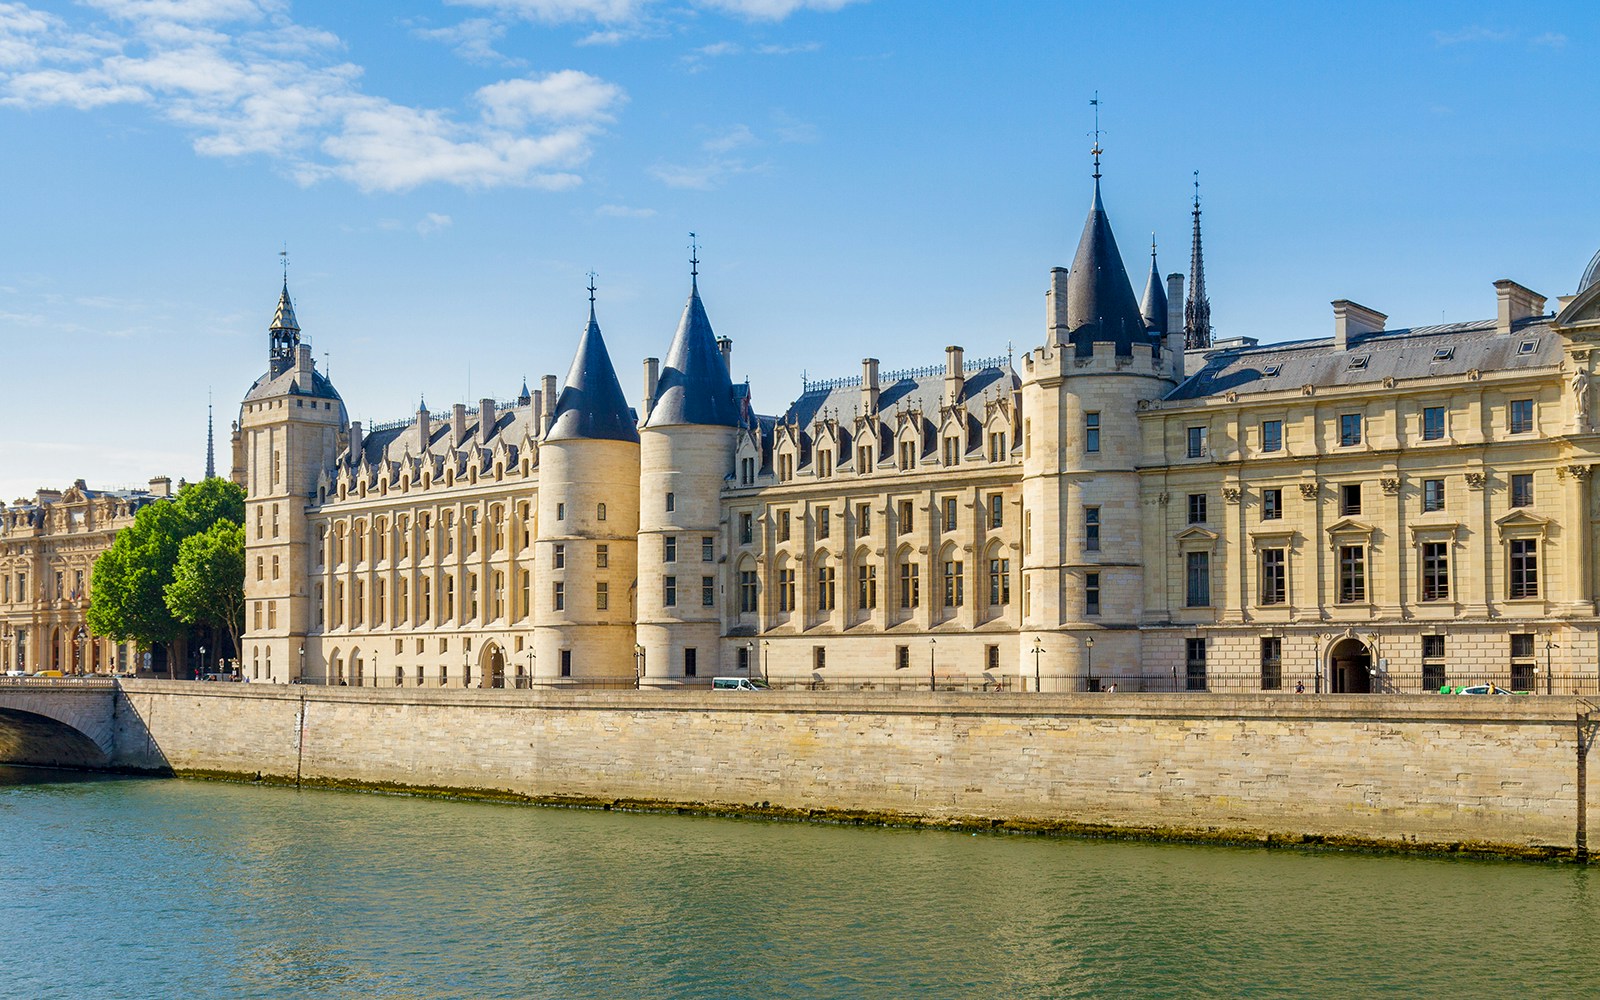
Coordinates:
591 404
284 319
694 387
1154 304
1197 309
1100 303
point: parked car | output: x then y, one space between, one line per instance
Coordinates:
1483 689
19 673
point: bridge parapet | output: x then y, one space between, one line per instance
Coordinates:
58 721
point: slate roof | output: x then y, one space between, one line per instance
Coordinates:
1153 307
1100 303
394 441
591 404
1398 354
694 387
283 318
924 393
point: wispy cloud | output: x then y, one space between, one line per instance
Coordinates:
1550 39
473 40
624 11
434 222
624 212
696 61
1477 34
724 149
245 80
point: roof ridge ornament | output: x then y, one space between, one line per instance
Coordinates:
694 260
1095 150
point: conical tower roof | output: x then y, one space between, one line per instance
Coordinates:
1101 308
694 387
591 404
1154 304
284 319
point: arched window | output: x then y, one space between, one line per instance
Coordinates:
600 512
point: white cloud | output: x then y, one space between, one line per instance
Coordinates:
434 222
1551 39
733 138
244 80
771 10
624 212
473 40
560 11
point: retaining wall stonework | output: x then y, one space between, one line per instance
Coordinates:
1480 773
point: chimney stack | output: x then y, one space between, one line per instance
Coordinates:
161 486
486 420
458 424
424 426
652 375
1175 305
1517 303
869 387
356 441
549 410
725 345
955 376
1055 307
1351 319
536 413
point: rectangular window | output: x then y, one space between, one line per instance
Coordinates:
825 588
746 528
672 502
747 591
863 519
954 579
1272 504
997 446
1274 576
1091 595
1352 574
1197 508
1091 528
1435 571
1272 435
1197 575
783 526
863 461
559 556
669 548
602 596
1524 568
1522 662
902 657
1432 495
1271 663
1522 489
669 591
561 512
952 451
708 548
999 581
566 663
1433 666
1522 416
1350 499
1091 432
949 513
997 510
558 596
908 456
824 522
691 661
786 590
1197 442
866 587
1195 664
910 592
824 464
907 517
602 556
708 591
991 658
1433 423
1349 430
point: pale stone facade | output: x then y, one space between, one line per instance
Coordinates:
1382 510
48 545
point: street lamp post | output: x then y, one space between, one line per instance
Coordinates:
766 652
749 657
932 683
1549 678
202 661
302 666
1037 649
1089 644
531 658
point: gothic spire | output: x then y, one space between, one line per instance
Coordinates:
1154 304
591 404
694 387
211 443
283 334
1197 309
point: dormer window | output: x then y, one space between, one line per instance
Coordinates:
1444 354
1357 364
1527 346
1271 371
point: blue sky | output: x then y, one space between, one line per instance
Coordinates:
876 177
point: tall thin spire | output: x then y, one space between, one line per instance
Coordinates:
694 261
211 441
1197 309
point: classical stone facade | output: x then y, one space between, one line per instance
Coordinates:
1132 502
48 546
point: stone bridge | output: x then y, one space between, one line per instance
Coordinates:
67 722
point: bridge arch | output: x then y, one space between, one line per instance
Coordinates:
41 741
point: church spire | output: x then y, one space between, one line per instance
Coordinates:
1197 310
284 333
211 442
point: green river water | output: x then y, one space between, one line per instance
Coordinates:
154 889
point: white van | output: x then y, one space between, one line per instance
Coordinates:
736 684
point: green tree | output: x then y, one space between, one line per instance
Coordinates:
129 598
207 587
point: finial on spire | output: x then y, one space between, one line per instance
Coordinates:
1152 246
592 276
284 258
694 258
1197 192
1095 149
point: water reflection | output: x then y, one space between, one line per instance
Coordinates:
217 890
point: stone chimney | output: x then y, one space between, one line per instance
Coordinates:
548 382
955 376
356 440
725 345
652 375
1351 319
424 427
1175 306
458 424
161 486
1055 307
869 387
486 420
1517 303
303 367
536 412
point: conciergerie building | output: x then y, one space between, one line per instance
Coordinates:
1131 502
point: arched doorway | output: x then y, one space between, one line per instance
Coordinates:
355 668
1350 667
495 666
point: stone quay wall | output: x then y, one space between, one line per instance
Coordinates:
1489 774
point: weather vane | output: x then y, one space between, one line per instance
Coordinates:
592 276
694 256
284 254
1094 102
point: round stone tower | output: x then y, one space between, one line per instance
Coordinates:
686 453
585 548
1082 523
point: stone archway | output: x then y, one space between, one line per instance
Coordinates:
1350 667
494 666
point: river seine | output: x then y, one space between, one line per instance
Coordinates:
147 889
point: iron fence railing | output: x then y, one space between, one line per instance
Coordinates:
68 681
1514 681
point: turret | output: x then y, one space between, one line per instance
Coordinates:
585 555
686 453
